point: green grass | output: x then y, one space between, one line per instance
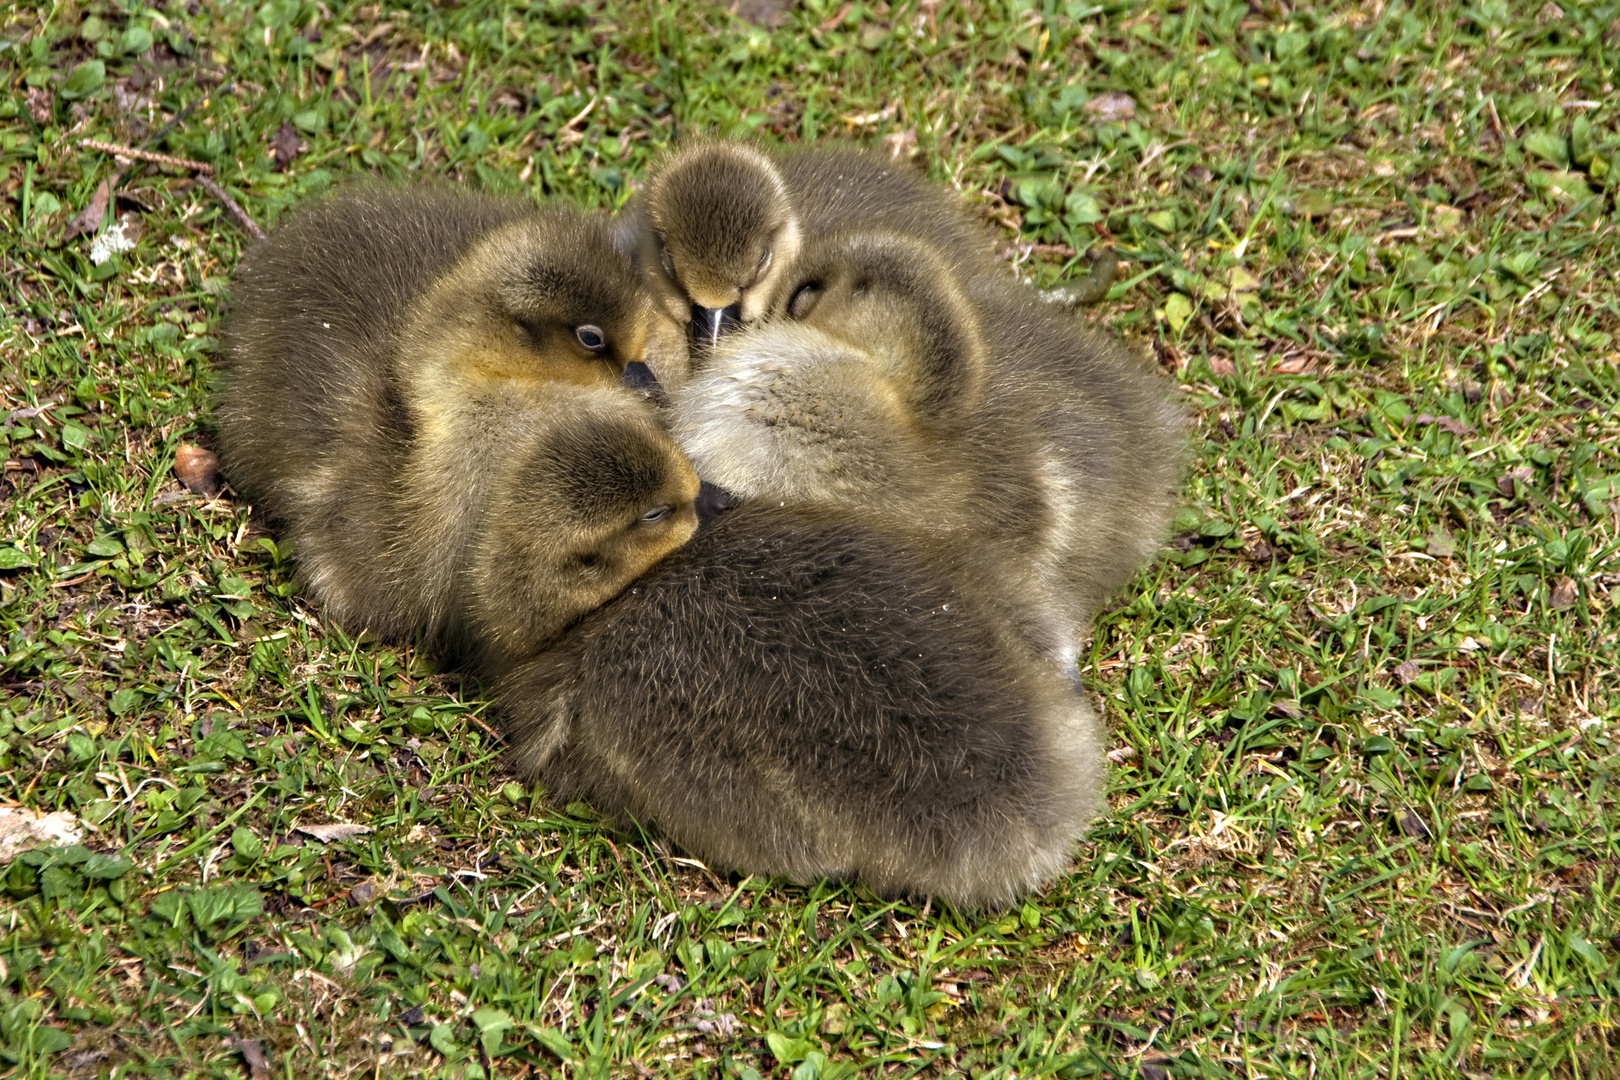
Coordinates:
1367 827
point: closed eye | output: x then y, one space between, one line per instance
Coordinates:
655 515
804 300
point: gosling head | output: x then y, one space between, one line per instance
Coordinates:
587 502
723 234
548 296
896 298
859 383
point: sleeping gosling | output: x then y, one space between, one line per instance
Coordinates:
816 694
722 223
882 380
387 352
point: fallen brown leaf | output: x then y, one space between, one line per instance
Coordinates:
88 220
1563 594
286 146
1221 367
1412 825
1406 671
252 1053
198 470
1505 485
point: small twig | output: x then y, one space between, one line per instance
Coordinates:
231 205
566 133
868 119
132 154
30 413
204 177
486 727
583 113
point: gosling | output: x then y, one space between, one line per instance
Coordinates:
388 358
722 223
960 407
815 694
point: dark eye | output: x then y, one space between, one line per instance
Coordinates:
804 300
591 337
655 515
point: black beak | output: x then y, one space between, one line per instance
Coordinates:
709 325
712 501
638 376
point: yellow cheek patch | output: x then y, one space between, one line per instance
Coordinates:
633 345
527 365
711 293
457 366
444 390
681 530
